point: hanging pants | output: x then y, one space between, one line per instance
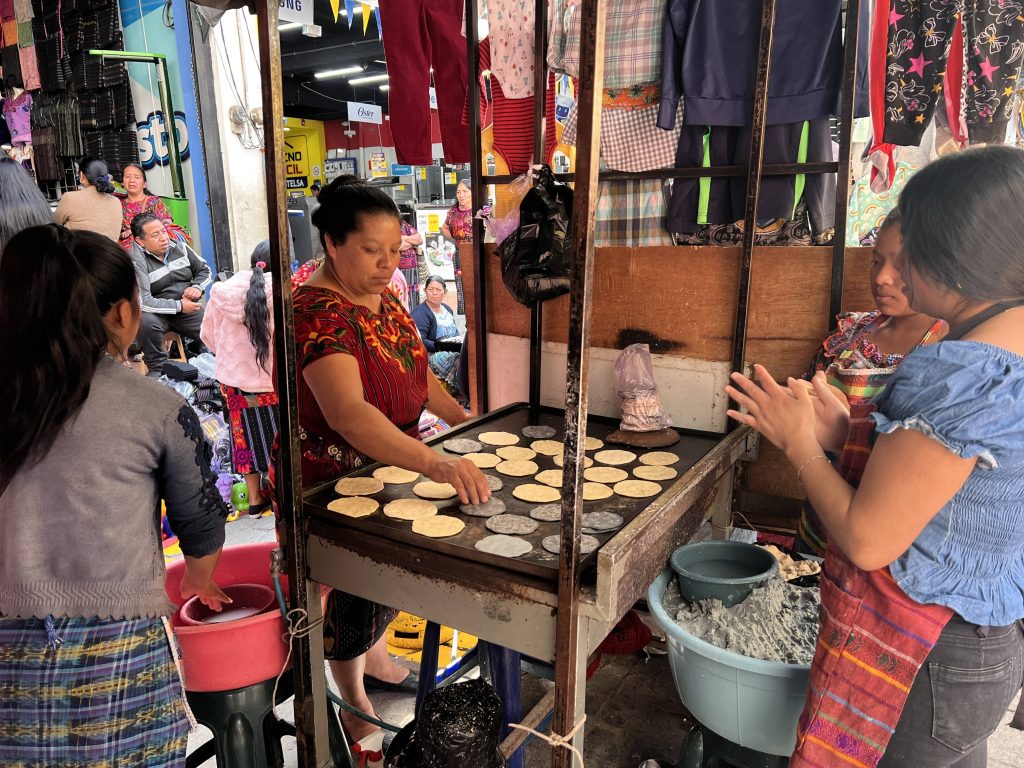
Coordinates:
151 335
419 34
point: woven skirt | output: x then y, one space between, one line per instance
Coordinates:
253 422
109 695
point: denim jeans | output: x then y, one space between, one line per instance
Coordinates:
959 697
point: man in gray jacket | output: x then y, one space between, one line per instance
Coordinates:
172 279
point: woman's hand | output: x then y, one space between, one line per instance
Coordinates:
209 593
467 479
831 412
786 416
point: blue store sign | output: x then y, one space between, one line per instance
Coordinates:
153 139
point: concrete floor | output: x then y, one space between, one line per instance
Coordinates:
633 710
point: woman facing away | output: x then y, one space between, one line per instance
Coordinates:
88 450
238 327
920 649
139 200
93 207
22 205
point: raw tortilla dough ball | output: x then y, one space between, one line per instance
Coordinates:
517 468
498 438
504 546
536 494
645 472
512 452
615 457
637 489
409 509
354 506
428 489
395 475
438 526
659 458
358 486
483 460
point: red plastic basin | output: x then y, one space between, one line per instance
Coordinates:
221 657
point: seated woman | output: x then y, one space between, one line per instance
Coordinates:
139 200
865 350
436 323
919 648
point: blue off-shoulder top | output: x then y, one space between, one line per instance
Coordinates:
969 396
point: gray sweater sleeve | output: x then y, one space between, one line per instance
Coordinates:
150 303
195 509
200 270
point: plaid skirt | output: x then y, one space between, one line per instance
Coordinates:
253 422
109 695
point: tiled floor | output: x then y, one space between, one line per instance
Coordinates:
633 711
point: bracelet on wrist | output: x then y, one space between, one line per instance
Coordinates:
803 466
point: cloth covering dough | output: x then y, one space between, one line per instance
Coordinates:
536 494
483 460
354 506
409 509
637 489
504 546
615 456
656 472
358 486
512 452
658 458
428 489
517 468
438 526
539 431
462 445
395 475
512 524
547 447
605 474
498 438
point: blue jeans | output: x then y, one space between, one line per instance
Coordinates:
959 697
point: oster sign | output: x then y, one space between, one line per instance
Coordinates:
153 140
365 113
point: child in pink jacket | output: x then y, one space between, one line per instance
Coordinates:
238 328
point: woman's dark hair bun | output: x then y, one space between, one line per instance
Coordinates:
343 201
96 172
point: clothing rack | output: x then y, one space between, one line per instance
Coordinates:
310 688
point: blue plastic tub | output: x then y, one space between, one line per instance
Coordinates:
750 702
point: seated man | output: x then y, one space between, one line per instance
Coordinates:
172 279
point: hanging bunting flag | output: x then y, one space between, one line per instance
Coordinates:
366 16
350 11
336 9
376 15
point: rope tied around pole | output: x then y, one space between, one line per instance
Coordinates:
298 627
555 740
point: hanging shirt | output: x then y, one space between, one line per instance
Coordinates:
16 113
513 23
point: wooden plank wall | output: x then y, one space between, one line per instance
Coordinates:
682 301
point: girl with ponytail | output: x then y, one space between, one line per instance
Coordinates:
238 327
94 207
87 451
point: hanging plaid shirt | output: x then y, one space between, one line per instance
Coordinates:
631 214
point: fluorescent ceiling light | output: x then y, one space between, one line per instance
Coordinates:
337 72
288 26
385 87
368 79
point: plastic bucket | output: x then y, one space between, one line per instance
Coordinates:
726 570
246 600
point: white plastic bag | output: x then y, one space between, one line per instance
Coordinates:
638 392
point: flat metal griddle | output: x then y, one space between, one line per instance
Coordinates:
691 448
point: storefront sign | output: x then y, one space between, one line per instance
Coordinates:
296 162
300 11
401 170
153 139
339 167
378 165
365 113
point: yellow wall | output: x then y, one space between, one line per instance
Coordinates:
306 153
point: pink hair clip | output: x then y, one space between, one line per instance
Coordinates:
261 264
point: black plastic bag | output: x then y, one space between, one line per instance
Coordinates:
535 259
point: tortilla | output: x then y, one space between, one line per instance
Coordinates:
645 472
587 544
409 509
483 460
493 506
637 489
438 526
504 546
353 506
658 458
592 443
358 486
461 445
596 491
552 477
515 453
539 431
498 438
536 494
395 475
428 489
547 513
605 474
547 447
512 524
517 468
601 522
615 456
560 460
494 483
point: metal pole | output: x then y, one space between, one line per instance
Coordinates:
567 624
476 181
307 652
764 56
540 91
835 301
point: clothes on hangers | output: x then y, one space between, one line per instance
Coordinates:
630 139
17 113
29 67
513 22
511 119
631 214
709 57
23 10
418 35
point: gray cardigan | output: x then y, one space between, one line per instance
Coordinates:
80 530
